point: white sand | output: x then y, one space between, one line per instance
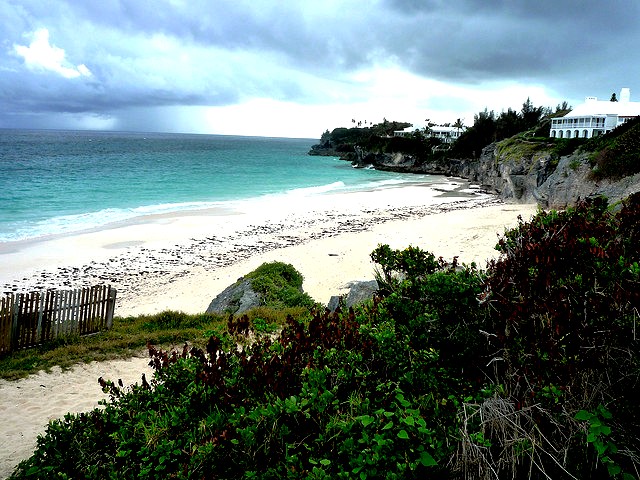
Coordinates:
27 405
181 262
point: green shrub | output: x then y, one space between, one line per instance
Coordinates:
563 301
279 285
616 153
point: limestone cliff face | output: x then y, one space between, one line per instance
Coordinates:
518 175
397 162
515 177
570 182
536 178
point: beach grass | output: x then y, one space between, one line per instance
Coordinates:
129 337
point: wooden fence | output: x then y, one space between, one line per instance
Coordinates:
30 319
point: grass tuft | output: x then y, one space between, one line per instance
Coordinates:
129 337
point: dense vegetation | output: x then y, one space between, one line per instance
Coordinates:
343 139
489 127
616 155
528 369
377 138
279 285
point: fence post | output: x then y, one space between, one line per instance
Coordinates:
41 334
111 306
15 327
6 322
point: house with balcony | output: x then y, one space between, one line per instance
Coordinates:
445 134
409 131
595 117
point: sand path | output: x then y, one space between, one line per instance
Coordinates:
27 405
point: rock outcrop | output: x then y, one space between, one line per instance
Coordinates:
394 162
514 176
359 292
570 182
235 299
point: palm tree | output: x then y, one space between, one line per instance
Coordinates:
459 125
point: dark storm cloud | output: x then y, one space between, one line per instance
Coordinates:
556 42
147 53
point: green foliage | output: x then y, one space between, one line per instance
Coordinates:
475 138
566 279
518 147
566 146
279 285
488 128
281 409
170 320
378 138
344 139
416 145
598 436
616 153
564 297
130 336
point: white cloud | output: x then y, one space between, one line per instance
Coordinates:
84 70
41 55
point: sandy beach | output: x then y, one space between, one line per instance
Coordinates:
182 261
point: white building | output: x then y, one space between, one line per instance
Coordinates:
407 132
595 117
445 134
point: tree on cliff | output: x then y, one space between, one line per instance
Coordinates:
481 134
488 128
530 115
458 124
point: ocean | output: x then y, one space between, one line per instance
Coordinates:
56 182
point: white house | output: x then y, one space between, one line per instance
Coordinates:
446 134
595 117
407 132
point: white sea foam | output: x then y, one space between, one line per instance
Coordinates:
65 224
73 223
306 191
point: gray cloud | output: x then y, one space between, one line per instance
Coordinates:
149 53
548 41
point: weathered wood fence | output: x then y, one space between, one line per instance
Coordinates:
30 319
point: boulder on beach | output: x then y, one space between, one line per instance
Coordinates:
359 292
236 299
275 284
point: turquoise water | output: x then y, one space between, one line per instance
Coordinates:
64 181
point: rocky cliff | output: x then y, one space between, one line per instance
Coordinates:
513 173
518 171
570 181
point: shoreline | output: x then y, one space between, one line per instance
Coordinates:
182 260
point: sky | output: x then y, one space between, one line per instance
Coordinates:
298 68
